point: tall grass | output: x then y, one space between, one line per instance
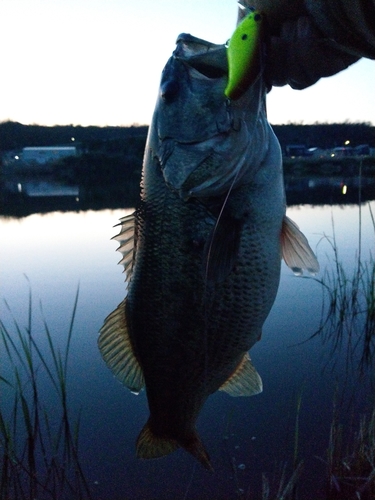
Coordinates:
283 488
285 484
39 446
351 460
348 306
347 321
349 463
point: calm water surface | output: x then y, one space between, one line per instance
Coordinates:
60 251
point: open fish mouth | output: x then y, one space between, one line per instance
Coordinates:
203 137
208 59
192 106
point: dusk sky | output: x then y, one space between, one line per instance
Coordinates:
98 62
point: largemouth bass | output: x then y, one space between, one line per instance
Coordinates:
202 252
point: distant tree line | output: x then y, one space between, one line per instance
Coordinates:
108 168
15 136
325 135
117 140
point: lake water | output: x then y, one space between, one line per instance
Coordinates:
246 437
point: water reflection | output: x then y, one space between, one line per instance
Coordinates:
57 250
22 195
32 188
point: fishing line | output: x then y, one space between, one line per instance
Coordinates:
216 225
360 213
260 101
208 295
243 158
208 288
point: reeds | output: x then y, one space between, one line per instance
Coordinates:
286 488
351 462
38 439
348 306
282 487
348 321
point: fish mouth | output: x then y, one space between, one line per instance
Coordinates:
204 139
192 105
188 150
208 59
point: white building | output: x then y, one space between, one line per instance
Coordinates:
46 154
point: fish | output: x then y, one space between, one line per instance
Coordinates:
202 251
244 53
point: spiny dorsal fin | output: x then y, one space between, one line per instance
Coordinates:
117 351
245 381
296 250
127 240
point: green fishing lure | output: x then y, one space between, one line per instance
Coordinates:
243 54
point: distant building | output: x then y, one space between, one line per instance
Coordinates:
47 154
342 151
362 150
293 150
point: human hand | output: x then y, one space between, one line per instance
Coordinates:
310 39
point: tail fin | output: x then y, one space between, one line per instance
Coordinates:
151 446
195 446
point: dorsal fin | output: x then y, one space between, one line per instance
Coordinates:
245 381
117 350
296 250
126 238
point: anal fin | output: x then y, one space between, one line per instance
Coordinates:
117 350
245 381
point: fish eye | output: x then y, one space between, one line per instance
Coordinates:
244 37
169 89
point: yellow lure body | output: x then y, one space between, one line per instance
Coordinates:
243 55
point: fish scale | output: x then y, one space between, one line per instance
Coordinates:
208 240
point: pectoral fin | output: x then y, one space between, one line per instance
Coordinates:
296 250
245 381
117 350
